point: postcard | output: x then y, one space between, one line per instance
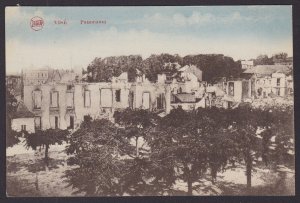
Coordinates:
149 101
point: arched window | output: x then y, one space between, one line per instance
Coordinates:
180 90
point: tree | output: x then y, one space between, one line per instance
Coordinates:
263 60
214 65
11 108
190 143
187 150
175 143
250 143
214 126
97 147
157 64
280 57
137 124
45 138
12 137
102 70
278 138
108 163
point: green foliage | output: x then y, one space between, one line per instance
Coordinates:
11 104
252 130
281 149
46 137
191 143
11 108
137 124
263 60
96 147
12 137
213 66
280 57
137 118
182 145
102 70
155 64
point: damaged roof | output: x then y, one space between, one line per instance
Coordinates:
22 112
192 69
268 69
186 97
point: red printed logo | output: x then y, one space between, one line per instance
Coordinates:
36 23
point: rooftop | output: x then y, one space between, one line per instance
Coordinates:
192 69
22 112
268 69
186 97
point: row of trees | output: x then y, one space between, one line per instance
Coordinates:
265 60
213 66
145 155
142 153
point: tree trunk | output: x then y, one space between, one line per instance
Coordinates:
248 169
46 152
91 189
36 183
213 177
121 190
136 146
190 187
187 173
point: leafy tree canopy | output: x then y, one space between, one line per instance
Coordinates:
212 65
11 108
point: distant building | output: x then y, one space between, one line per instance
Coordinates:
14 85
214 93
270 80
63 76
188 73
187 79
237 91
12 80
49 75
290 85
35 76
186 87
23 120
247 64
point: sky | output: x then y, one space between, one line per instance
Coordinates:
241 32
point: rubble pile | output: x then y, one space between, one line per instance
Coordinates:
273 102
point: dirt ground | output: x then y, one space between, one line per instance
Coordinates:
28 176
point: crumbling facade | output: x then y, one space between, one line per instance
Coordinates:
65 105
